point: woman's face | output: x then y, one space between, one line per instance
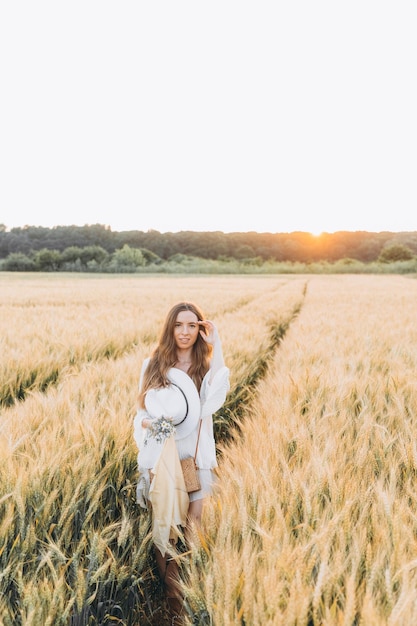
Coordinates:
186 329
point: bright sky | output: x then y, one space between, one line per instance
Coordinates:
271 116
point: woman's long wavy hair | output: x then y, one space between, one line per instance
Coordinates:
165 355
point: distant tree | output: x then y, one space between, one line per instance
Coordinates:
18 262
127 259
395 252
47 260
179 258
75 259
93 253
71 254
151 257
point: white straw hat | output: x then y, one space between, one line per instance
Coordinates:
180 401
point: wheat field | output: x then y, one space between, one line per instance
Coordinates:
315 517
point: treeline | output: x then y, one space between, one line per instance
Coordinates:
77 247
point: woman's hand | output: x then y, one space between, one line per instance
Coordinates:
208 332
211 336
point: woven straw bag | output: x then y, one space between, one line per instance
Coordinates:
191 477
190 469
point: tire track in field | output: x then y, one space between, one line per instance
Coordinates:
17 389
228 419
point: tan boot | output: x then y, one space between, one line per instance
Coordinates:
169 573
161 562
175 611
173 593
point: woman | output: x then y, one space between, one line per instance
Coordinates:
186 381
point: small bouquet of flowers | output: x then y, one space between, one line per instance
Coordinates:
161 428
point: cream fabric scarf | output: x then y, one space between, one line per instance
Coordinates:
168 497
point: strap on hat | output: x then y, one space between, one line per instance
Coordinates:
186 403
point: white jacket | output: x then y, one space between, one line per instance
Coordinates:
212 397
